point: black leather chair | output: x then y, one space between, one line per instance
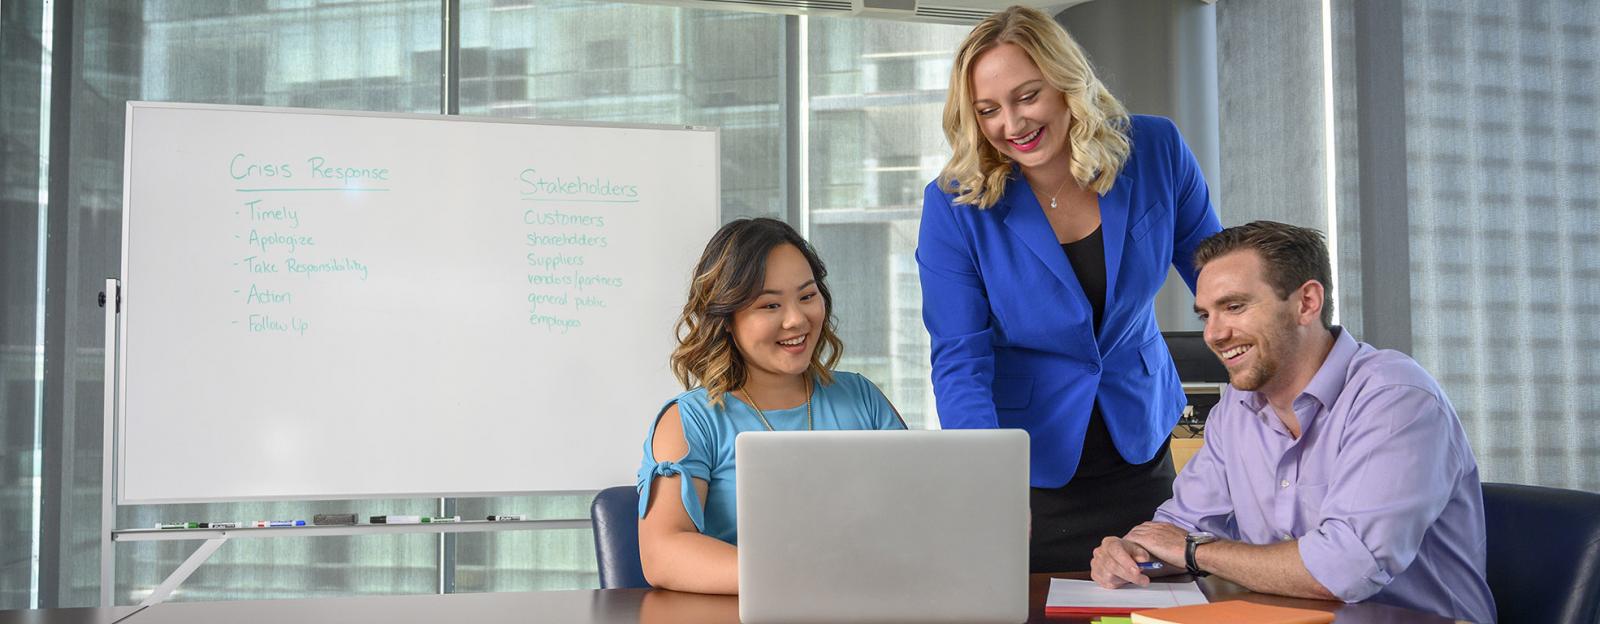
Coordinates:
1544 553
615 516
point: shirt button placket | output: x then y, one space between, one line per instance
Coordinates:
1287 506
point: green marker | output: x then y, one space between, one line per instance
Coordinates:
181 525
428 520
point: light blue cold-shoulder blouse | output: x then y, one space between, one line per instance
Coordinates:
850 402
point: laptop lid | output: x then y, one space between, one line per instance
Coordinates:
883 526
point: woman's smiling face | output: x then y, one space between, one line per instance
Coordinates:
778 332
1021 115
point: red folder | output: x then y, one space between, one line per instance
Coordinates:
1091 611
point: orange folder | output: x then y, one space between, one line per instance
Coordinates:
1231 612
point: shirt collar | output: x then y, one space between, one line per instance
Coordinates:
1326 385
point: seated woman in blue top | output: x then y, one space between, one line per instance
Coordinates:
756 348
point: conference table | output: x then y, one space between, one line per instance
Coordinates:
608 606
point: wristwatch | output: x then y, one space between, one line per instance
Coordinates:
1195 539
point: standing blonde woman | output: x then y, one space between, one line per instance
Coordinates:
1043 243
756 348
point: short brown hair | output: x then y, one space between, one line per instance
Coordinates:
730 275
1292 255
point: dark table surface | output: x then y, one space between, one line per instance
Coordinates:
596 606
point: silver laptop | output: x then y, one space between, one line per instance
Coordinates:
883 526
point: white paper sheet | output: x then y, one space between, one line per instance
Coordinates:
1073 593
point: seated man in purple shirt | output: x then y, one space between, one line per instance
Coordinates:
1330 469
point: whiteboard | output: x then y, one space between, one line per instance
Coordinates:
325 304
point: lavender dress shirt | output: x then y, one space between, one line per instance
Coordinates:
1381 489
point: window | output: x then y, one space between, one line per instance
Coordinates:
1499 206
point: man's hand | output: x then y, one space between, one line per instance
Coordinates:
1165 541
1116 563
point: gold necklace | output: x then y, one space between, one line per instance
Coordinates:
763 415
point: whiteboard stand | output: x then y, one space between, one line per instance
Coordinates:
215 538
181 574
111 300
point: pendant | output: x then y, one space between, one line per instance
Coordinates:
1052 203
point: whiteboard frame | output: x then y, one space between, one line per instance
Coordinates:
116 391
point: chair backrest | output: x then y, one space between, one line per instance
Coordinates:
615 515
1544 553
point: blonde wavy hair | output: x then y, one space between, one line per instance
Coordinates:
731 274
1098 136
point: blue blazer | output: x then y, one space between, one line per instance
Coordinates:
1013 333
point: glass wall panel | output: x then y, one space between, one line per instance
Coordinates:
24 120
875 98
1503 142
1502 138
528 560
590 61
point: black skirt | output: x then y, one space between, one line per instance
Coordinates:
1106 497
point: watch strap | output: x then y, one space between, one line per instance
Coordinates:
1189 560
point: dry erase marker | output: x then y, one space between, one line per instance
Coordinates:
1150 565
181 525
427 520
396 519
509 518
279 523
222 525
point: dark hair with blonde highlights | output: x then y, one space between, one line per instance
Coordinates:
731 274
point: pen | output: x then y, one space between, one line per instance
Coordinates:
1150 565
507 518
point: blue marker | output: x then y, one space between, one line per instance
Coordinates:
279 523
1150 565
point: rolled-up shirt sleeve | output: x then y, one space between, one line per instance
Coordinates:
1394 477
1200 498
